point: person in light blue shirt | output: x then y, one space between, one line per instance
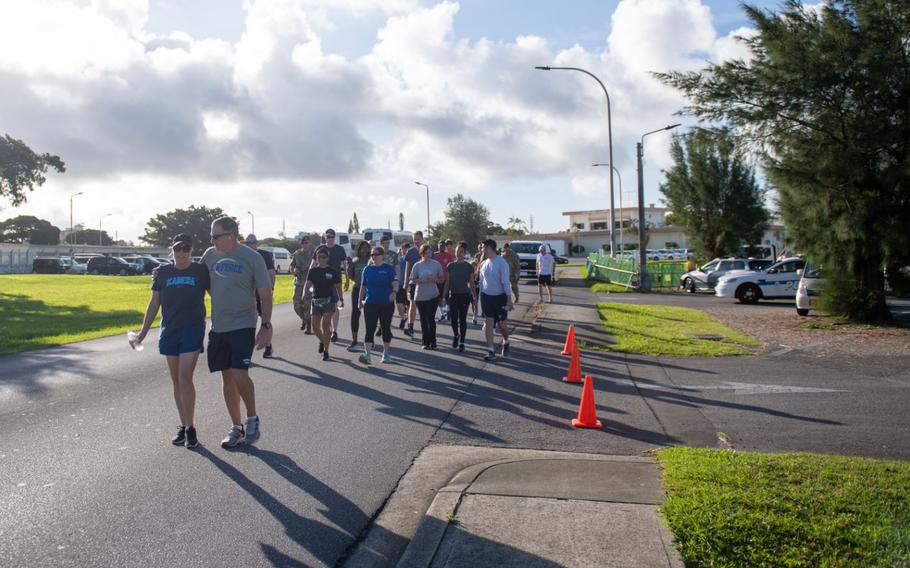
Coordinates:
378 285
495 297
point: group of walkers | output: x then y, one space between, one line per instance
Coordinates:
415 280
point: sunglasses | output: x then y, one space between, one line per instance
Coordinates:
218 235
376 254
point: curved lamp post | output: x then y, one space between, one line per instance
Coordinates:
644 281
609 136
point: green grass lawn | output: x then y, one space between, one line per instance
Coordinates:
668 330
609 288
40 310
732 509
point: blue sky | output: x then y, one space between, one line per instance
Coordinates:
308 110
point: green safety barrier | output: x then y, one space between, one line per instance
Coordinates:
663 274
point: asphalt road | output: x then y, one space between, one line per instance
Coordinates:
88 476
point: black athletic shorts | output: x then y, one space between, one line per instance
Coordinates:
401 296
411 288
545 279
496 307
231 349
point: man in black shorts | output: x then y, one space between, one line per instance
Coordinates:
269 259
236 274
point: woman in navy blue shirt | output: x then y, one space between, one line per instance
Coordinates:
378 285
179 290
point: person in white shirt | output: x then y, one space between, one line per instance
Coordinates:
495 297
545 266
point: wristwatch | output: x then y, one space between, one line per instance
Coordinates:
266 325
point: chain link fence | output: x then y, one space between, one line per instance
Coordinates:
663 274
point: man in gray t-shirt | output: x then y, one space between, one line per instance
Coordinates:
237 273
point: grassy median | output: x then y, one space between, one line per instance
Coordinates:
40 310
671 331
729 508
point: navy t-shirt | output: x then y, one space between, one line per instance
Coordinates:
378 282
324 281
182 294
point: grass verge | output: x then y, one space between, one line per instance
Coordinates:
669 330
609 288
729 508
41 310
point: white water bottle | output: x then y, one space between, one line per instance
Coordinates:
132 337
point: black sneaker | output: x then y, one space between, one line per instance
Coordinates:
490 356
461 347
454 343
401 324
268 352
433 345
321 347
409 332
180 438
426 347
325 355
334 337
353 346
191 440
302 327
505 349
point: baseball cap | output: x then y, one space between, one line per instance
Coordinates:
305 239
542 248
330 232
250 239
182 239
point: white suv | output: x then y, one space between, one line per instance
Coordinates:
778 281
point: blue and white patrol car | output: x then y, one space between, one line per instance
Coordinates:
778 281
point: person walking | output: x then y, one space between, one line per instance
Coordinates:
443 256
269 259
511 257
545 266
379 283
237 273
413 257
458 293
495 300
300 266
426 276
401 296
336 260
178 289
325 281
391 258
355 269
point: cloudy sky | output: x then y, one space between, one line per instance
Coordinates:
304 111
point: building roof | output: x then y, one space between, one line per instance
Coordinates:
618 209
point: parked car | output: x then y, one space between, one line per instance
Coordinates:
527 252
811 284
778 281
706 277
110 265
144 264
73 266
48 266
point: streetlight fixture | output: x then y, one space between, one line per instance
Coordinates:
99 226
622 242
609 136
252 222
72 234
428 208
644 281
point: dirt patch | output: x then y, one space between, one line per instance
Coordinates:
822 336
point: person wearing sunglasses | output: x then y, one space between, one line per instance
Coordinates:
237 273
178 289
427 275
325 281
354 270
379 283
336 260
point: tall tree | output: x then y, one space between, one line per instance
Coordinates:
712 192
29 229
355 224
516 227
465 220
401 221
21 169
195 221
90 237
824 102
351 226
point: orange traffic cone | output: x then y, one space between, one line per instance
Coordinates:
573 375
587 413
571 346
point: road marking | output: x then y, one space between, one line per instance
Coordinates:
752 388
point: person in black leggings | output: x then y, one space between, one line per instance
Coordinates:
354 270
427 275
379 282
459 293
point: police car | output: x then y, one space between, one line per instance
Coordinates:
778 281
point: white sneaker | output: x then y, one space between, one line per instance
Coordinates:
235 436
252 430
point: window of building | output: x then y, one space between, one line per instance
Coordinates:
599 226
580 226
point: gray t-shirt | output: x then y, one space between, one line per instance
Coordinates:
234 278
423 269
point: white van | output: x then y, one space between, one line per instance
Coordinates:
282 259
375 235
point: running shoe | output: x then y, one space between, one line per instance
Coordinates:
505 348
325 355
426 347
180 438
474 320
235 436
365 358
191 440
454 342
433 345
353 346
386 357
490 356
334 337
252 429
321 347
461 347
402 323
409 331
268 352
308 331
302 327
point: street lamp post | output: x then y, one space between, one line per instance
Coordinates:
99 227
644 281
610 138
252 222
622 242
428 208
72 235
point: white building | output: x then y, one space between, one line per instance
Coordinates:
599 219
